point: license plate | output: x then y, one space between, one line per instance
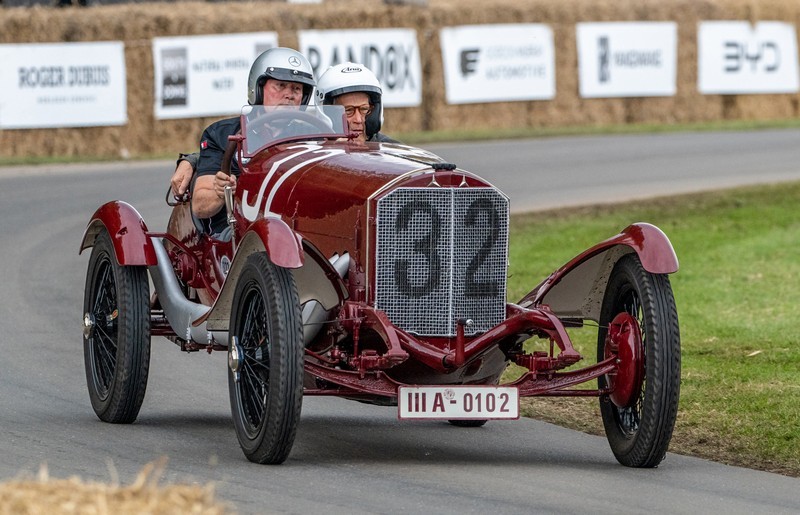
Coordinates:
458 402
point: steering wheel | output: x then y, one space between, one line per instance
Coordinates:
285 116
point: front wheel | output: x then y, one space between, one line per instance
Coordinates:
265 377
116 334
639 422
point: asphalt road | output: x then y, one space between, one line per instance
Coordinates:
348 457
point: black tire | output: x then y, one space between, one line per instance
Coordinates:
468 423
639 434
116 341
267 399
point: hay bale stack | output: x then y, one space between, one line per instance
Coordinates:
137 24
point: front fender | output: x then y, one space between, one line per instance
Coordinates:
576 289
128 233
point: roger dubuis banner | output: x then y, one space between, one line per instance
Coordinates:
62 85
205 75
735 57
392 54
627 59
498 63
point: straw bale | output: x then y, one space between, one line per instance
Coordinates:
137 24
45 495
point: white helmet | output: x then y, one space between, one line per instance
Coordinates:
280 64
351 78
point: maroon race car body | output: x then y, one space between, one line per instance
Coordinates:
375 272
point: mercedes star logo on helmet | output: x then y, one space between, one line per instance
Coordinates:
294 61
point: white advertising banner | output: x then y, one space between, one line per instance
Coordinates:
62 85
391 54
627 59
735 57
498 63
205 75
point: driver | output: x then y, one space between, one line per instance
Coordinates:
351 85
279 76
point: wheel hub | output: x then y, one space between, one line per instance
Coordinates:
624 341
88 325
235 357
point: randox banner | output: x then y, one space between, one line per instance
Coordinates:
627 59
392 54
735 57
205 75
46 85
498 63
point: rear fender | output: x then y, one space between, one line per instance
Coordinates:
576 289
314 276
128 233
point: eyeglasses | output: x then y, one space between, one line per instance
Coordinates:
365 110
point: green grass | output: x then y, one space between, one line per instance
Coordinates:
738 298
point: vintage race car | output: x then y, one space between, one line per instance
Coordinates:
375 272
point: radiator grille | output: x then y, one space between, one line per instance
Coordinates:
442 254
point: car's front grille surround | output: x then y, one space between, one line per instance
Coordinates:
441 256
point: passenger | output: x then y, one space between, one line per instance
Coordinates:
356 88
279 76
351 85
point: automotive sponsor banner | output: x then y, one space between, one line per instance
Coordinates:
735 57
45 85
392 54
205 75
498 63
627 59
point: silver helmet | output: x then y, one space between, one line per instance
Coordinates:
281 64
351 78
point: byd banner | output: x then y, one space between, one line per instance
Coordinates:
62 85
199 76
392 54
735 57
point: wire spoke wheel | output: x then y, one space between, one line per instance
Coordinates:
266 387
116 336
639 431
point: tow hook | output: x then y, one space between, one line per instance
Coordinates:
235 357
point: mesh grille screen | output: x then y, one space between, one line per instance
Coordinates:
442 255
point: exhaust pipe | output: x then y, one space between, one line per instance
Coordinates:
313 313
179 310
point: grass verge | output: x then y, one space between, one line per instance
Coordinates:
737 293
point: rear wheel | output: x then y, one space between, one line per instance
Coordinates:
639 430
116 339
266 361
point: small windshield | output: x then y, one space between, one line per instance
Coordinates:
267 125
